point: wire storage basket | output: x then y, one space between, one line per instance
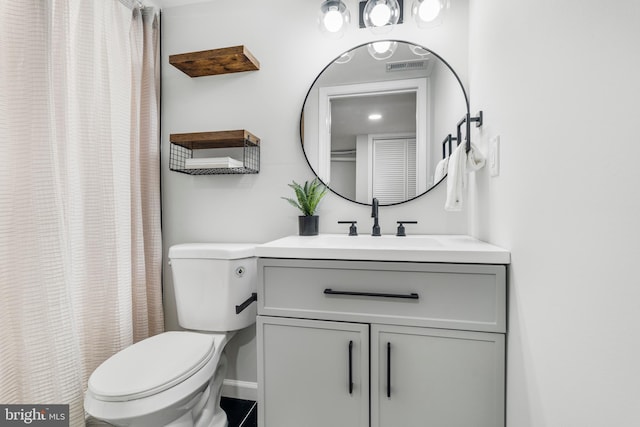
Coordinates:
182 147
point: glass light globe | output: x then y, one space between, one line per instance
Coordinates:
333 18
345 57
419 51
380 15
381 47
382 50
427 13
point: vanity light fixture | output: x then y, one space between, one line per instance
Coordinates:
333 18
382 50
428 13
380 15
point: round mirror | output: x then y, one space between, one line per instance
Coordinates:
375 121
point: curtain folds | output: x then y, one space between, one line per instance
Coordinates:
80 248
146 252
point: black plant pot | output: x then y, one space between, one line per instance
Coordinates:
308 225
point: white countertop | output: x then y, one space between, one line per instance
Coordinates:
417 248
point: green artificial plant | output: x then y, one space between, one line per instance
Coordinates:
308 196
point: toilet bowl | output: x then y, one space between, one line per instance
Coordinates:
174 379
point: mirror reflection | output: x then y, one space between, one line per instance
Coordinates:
373 123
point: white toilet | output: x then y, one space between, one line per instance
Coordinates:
175 378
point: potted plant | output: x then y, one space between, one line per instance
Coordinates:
308 196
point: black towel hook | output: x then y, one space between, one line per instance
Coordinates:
467 119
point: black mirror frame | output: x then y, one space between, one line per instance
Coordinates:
301 127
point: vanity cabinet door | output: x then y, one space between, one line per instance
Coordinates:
312 373
434 377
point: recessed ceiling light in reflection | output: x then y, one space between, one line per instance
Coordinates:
375 116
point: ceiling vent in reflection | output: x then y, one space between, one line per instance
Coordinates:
414 64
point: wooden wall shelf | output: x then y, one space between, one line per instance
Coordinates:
217 61
219 139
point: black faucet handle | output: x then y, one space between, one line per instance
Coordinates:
353 230
401 231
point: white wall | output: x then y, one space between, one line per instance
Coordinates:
559 82
283 35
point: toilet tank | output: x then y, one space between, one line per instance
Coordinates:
209 280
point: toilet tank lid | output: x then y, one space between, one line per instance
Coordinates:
212 250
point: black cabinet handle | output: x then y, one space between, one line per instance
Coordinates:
350 367
247 303
389 370
371 294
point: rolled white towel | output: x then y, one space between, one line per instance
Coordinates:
475 159
460 163
441 170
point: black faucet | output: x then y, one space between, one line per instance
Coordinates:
374 214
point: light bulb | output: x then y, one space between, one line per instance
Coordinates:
375 116
333 20
429 10
380 15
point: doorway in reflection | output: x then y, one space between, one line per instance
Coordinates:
373 146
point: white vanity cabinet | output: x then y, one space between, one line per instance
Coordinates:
382 344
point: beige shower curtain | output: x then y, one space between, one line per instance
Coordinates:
80 248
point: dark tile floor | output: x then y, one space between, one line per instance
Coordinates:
241 413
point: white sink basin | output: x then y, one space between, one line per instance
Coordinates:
419 248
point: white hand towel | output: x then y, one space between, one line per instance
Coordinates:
455 177
441 170
460 164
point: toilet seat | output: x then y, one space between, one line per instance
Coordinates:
151 366
160 408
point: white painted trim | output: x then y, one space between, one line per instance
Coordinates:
240 389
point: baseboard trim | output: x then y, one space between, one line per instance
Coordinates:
240 389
